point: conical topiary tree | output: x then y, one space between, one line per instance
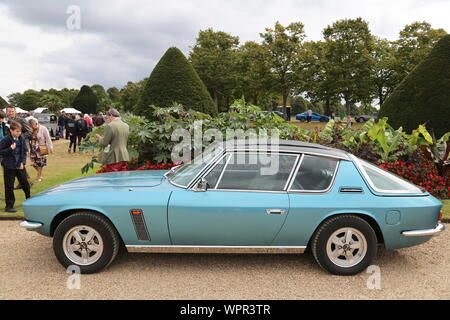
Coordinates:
424 95
3 103
174 80
86 101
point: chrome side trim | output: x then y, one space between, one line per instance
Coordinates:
216 249
31 225
424 233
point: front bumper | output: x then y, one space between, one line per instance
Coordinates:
31 225
425 233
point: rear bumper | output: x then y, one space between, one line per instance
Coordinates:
425 233
31 225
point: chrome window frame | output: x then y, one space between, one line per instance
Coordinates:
233 152
330 186
369 182
200 174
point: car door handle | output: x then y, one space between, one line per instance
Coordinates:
275 211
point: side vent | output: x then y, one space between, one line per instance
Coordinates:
140 226
350 190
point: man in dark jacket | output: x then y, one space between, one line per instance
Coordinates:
27 133
71 128
62 120
13 149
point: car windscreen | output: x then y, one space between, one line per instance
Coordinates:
188 171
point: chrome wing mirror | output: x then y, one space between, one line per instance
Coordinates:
201 185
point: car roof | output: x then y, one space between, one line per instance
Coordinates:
286 146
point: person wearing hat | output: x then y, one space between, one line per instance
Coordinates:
114 142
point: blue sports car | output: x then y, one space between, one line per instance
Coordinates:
239 198
315 117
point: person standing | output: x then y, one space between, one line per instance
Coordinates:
13 149
309 114
27 132
116 136
62 119
71 129
41 145
88 120
98 120
3 127
82 128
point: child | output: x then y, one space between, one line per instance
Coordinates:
13 150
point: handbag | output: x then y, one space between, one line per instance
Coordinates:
43 150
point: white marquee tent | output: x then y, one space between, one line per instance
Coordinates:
70 110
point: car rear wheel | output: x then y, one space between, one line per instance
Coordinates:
86 240
302 120
344 245
360 120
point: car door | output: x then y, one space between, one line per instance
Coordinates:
246 203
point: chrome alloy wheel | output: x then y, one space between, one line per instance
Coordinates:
83 245
346 247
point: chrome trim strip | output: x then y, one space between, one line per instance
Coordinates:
296 172
424 233
217 249
230 155
288 182
31 225
293 152
205 168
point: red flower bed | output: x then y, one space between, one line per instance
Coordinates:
134 166
424 175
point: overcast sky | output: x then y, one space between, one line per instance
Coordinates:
122 40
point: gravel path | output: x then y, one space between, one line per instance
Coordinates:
29 270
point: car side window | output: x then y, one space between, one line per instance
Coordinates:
315 174
257 172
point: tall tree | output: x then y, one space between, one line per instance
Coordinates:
349 46
214 57
317 69
414 44
3 103
130 93
99 91
174 80
384 74
28 100
52 102
283 45
86 101
113 94
254 75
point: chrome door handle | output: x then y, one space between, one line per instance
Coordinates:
275 211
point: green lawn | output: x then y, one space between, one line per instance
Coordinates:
62 167
446 209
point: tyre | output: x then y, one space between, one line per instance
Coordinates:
86 240
302 120
344 245
360 120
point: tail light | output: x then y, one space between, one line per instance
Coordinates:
440 215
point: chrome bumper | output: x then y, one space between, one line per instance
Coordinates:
30 225
424 233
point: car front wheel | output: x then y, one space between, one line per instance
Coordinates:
86 240
344 245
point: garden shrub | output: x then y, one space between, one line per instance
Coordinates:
174 80
424 95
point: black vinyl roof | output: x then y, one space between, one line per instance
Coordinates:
285 145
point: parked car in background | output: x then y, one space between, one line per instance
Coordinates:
278 113
50 121
365 117
240 198
315 117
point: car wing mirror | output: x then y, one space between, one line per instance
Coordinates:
201 185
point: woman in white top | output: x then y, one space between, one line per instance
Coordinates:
41 137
